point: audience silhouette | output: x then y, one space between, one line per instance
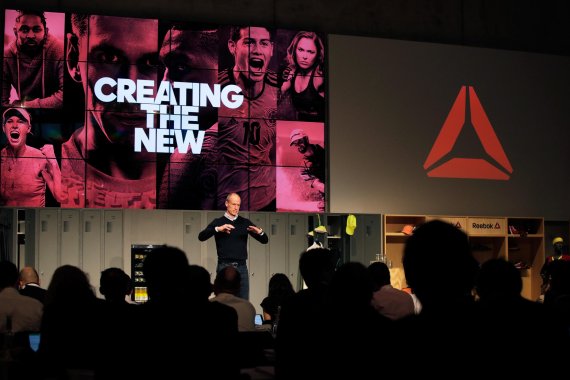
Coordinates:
115 285
473 319
116 325
352 330
178 332
71 325
279 289
509 325
30 284
441 270
19 316
299 334
227 290
24 313
387 300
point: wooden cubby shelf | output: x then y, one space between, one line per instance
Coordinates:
519 240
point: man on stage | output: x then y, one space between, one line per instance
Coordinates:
231 232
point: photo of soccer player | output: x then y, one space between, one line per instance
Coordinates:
246 135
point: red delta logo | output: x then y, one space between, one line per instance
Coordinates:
475 168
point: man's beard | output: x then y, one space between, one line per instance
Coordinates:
32 49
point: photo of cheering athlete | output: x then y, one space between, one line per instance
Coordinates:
246 135
26 172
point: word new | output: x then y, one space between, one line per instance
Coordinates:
174 104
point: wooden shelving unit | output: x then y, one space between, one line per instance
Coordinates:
519 240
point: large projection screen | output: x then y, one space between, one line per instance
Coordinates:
101 111
421 128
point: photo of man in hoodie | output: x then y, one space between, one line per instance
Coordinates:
33 63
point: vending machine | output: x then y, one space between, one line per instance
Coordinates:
138 254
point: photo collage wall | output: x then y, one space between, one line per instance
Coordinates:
114 112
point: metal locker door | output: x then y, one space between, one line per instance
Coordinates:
278 224
258 263
91 242
297 243
366 239
192 225
113 241
70 238
48 244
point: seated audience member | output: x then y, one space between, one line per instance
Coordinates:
115 285
181 333
280 288
24 313
349 320
200 287
226 288
116 324
508 324
417 303
71 325
387 300
441 269
297 339
19 315
30 284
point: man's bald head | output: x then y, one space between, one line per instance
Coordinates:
29 275
228 280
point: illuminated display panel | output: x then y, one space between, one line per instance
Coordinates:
155 114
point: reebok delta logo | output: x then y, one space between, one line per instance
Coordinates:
476 168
